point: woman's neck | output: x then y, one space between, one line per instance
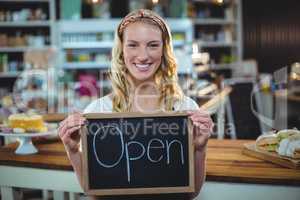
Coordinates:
145 97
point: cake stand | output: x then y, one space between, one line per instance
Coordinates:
25 143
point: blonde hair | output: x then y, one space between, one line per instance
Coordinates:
165 77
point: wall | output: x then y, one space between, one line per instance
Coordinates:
271 32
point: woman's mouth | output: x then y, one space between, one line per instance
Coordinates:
143 67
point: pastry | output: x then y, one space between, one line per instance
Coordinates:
30 123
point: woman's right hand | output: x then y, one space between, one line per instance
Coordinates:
68 132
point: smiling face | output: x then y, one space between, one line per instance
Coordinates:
142 50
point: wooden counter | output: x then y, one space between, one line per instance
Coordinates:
225 163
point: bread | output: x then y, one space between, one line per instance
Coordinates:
30 123
267 142
287 133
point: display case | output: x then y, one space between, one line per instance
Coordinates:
218 30
24 25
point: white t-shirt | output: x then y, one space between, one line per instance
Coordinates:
104 105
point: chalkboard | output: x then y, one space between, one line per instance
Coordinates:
134 153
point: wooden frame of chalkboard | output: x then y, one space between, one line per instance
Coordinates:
174 178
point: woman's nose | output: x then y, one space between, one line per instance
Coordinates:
142 54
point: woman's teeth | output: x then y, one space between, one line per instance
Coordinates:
142 66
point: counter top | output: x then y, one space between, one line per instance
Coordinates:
225 162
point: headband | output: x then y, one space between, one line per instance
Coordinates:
142 14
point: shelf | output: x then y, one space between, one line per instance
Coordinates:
30 94
212 21
89 45
178 43
218 30
104 45
214 2
108 26
44 27
83 26
9 74
86 65
25 24
224 66
216 44
21 49
24 1
201 68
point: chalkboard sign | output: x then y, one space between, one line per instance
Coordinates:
133 153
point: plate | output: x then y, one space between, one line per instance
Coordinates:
25 143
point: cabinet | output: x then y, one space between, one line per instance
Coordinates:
86 44
24 25
84 56
218 30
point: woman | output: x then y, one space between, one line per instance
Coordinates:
144 79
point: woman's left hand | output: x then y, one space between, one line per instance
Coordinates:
202 127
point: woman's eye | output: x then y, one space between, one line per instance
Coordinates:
131 45
154 45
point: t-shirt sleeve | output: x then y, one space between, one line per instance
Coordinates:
187 104
101 105
91 106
